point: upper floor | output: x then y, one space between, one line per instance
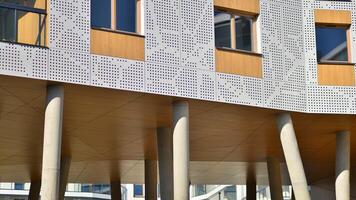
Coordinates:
292 54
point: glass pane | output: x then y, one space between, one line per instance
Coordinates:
28 28
138 190
101 13
331 44
222 29
126 15
7 25
19 186
28 3
243 33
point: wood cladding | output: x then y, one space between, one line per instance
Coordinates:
236 62
333 17
249 7
336 74
116 44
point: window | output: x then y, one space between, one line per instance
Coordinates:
120 15
331 44
138 190
233 31
19 186
23 22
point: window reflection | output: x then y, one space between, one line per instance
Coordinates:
331 44
243 33
126 15
222 29
100 13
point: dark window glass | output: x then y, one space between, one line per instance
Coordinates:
86 188
138 190
7 25
101 13
331 44
243 33
19 186
222 29
126 15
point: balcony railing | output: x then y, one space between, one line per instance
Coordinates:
21 24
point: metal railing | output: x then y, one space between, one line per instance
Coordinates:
30 32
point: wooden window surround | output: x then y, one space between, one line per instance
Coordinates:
336 73
232 60
247 7
116 43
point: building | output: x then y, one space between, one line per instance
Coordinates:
203 92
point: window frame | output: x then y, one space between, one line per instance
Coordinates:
253 27
113 19
321 22
348 46
42 14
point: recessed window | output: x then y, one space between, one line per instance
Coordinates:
138 190
331 44
233 31
120 15
23 22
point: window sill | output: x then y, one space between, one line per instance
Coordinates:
24 44
117 31
329 62
239 51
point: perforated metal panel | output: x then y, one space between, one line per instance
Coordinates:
179 81
283 58
327 99
239 89
25 61
69 66
69 25
117 73
197 34
162 31
285 95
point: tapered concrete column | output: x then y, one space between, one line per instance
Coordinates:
251 188
150 180
292 156
35 189
65 165
115 188
165 162
274 177
52 143
181 150
342 182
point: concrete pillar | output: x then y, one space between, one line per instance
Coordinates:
342 182
274 177
150 180
115 189
35 189
65 165
181 150
52 142
165 162
251 188
292 156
